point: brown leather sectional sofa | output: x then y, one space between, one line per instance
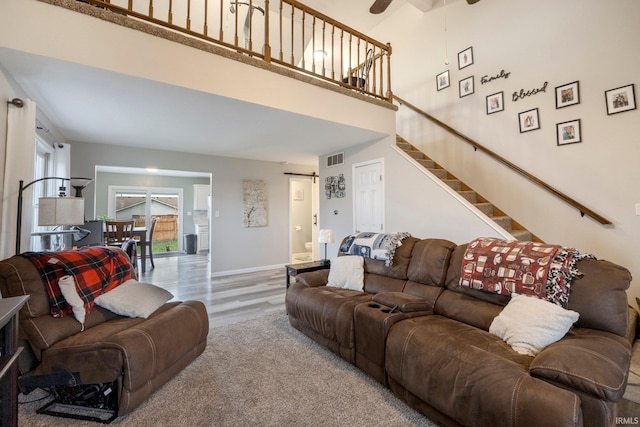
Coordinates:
139 354
415 330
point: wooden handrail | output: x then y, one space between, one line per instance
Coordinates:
302 45
476 146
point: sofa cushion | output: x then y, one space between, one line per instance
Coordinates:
601 278
529 324
430 261
44 331
347 272
591 361
452 282
18 276
325 314
466 309
134 299
472 376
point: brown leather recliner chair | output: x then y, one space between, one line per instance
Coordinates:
139 355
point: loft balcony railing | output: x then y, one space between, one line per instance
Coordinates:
284 32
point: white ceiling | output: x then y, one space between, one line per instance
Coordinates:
97 106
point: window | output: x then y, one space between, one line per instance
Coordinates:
43 167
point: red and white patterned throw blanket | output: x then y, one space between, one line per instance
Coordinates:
526 268
96 270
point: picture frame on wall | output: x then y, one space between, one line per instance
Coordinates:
466 86
442 80
568 94
569 132
529 120
465 58
620 99
495 102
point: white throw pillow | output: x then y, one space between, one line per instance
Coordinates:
67 286
529 324
134 299
347 272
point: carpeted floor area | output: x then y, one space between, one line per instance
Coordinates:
260 372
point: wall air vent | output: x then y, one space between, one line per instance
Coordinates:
335 159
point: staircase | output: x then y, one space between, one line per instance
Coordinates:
499 217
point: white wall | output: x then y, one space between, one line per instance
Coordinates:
233 247
74 37
414 202
591 41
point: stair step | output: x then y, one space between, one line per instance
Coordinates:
429 164
486 208
522 235
440 173
415 154
503 221
469 195
404 145
453 183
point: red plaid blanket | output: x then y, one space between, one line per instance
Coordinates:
526 268
96 270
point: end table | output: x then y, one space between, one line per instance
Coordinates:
295 269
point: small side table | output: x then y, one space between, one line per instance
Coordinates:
295 269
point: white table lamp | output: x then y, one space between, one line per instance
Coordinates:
325 236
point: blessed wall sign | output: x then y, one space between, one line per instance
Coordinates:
523 94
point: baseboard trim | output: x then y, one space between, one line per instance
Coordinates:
248 270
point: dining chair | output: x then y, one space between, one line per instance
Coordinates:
149 241
118 232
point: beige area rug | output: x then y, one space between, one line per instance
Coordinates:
260 372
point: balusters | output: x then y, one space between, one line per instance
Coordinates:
357 61
206 15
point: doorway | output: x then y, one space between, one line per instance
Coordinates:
142 203
303 219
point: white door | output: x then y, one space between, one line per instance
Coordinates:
368 201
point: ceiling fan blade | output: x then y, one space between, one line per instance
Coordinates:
380 6
472 1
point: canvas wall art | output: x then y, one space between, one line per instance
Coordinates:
254 198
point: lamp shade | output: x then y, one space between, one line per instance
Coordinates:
60 211
325 236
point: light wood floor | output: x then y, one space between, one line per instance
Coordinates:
228 299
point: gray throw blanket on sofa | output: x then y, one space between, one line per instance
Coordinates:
374 245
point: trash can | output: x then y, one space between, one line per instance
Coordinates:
191 243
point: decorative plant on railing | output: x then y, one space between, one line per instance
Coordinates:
284 32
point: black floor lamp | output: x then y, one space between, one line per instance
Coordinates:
55 210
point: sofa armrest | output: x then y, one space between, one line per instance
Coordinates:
402 302
313 279
153 346
588 360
